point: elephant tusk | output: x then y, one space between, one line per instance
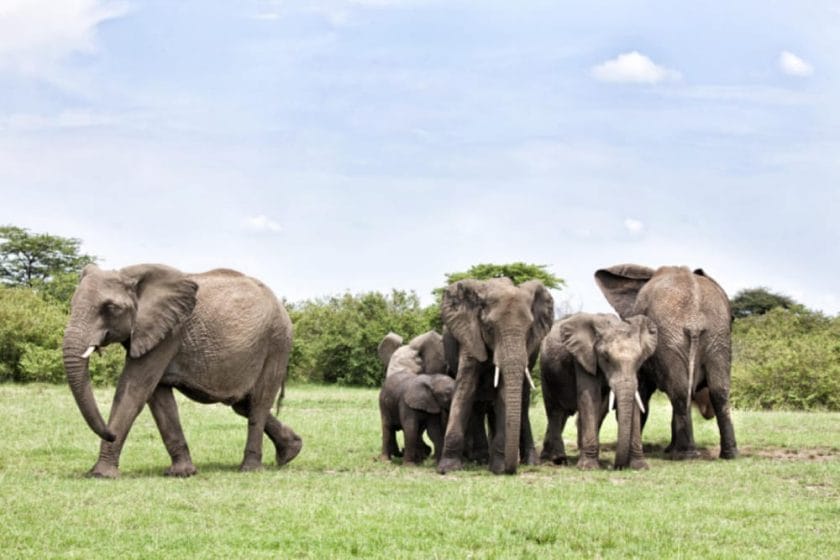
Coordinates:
496 378
612 401
530 380
88 352
639 402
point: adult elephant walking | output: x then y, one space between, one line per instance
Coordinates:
218 336
498 327
692 314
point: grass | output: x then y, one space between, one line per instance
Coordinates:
779 500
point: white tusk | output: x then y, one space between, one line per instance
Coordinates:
612 401
531 381
496 378
639 402
88 352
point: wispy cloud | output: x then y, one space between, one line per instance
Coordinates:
634 226
262 224
792 65
633 67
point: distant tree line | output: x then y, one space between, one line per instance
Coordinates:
785 356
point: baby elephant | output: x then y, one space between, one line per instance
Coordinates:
414 403
584 358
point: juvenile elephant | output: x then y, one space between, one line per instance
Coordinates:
692 314
498 327
583 359
414 403
218 336
423 353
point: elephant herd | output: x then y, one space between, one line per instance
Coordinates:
223 337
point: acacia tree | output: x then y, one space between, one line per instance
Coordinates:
758 301
47 262
518 272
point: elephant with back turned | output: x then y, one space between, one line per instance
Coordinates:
498 327
583 358
692 315
422 354
218 336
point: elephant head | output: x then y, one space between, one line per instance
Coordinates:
431 393
423 353
137 306
603 343
499 321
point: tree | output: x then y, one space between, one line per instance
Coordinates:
49 263
758 301
518 272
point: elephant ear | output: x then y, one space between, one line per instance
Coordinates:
386 348
165 298
542 308
429 346
621 284
462 303
647 334
420 396
577 333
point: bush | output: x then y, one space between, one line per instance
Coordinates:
335 339
786 359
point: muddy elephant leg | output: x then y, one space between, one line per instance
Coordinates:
682 431
553 448
461 407
165 412
590 411
717 376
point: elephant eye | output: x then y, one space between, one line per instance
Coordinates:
112 308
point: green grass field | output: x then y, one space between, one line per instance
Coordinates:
780 499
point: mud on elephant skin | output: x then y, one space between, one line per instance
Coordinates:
692 314
414 403
584 358
218 336
498 327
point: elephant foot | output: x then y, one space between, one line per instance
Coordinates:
530 457
639 464
684 454
103 470
383 457
181 470
588 464
730 453
290 451
411 463
556 458
449 464
251 464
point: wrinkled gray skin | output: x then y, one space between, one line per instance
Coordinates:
423 354
583 358
496 324
217 336
414 403
692 315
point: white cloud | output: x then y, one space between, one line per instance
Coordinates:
634 226
37 34
262 224
792 65
632 67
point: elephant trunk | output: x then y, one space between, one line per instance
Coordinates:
625 404
513 416
78 377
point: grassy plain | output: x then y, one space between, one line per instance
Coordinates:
780 499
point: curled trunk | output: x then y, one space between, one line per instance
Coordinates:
513 417
78 377
626 410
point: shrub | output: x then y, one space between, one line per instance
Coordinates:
786 359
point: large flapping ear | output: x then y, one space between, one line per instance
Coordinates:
386 348
577 333
420 395
429 346
621 284
647 334
542 308
462 302
165 298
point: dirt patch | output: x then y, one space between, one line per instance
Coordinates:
817 455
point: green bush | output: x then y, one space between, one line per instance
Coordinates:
786 359
335 338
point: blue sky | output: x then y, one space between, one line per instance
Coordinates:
376 144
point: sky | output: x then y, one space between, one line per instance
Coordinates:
363 145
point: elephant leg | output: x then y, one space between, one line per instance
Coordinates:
476 442
461 407
590 410
553 448
413 440
682 431
287 444
527 449
717 375
389 440
436 432
165 412
497 443
135 387
637 455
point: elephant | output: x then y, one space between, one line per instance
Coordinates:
414 403
217 336
498 327
423 353
692 314
584 357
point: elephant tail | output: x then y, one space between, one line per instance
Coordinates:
280 399
693 343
